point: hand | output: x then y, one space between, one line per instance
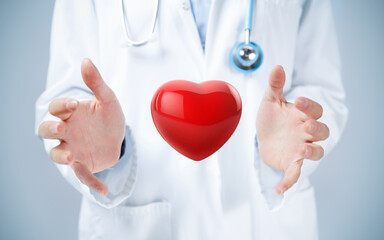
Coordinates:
286 131
91 132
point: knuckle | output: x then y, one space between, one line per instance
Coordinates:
95 185
307 151
303 150
76 165
64 103
311 126
60 129
53 129
299 163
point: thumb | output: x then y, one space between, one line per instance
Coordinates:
94 81
291 176
87 178
274 91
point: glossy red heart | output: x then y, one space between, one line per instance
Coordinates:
196 119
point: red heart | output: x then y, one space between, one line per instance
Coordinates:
196 119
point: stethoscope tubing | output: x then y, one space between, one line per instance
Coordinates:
236 59
249 18
131 42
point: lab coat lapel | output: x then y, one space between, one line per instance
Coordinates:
185 12
222 33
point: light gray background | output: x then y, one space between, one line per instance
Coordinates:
37 203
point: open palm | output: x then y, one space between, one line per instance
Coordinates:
91 132
286 131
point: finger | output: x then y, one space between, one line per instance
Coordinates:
63 107
317 131
291 176
61 154
274 91
87 178
312 151
311 108
52 130
95 82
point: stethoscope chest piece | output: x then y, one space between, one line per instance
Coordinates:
246 57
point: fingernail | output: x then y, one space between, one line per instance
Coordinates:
72 104
65 157
102 191
308 152
302 103
312 128
53 128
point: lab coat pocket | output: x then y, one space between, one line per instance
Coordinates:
146 222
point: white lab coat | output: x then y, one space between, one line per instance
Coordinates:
156 193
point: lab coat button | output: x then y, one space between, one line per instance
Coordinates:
185 6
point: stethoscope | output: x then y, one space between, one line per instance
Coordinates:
245 56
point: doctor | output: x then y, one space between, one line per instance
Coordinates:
96 121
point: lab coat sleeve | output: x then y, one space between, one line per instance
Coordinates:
74 37
316 75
